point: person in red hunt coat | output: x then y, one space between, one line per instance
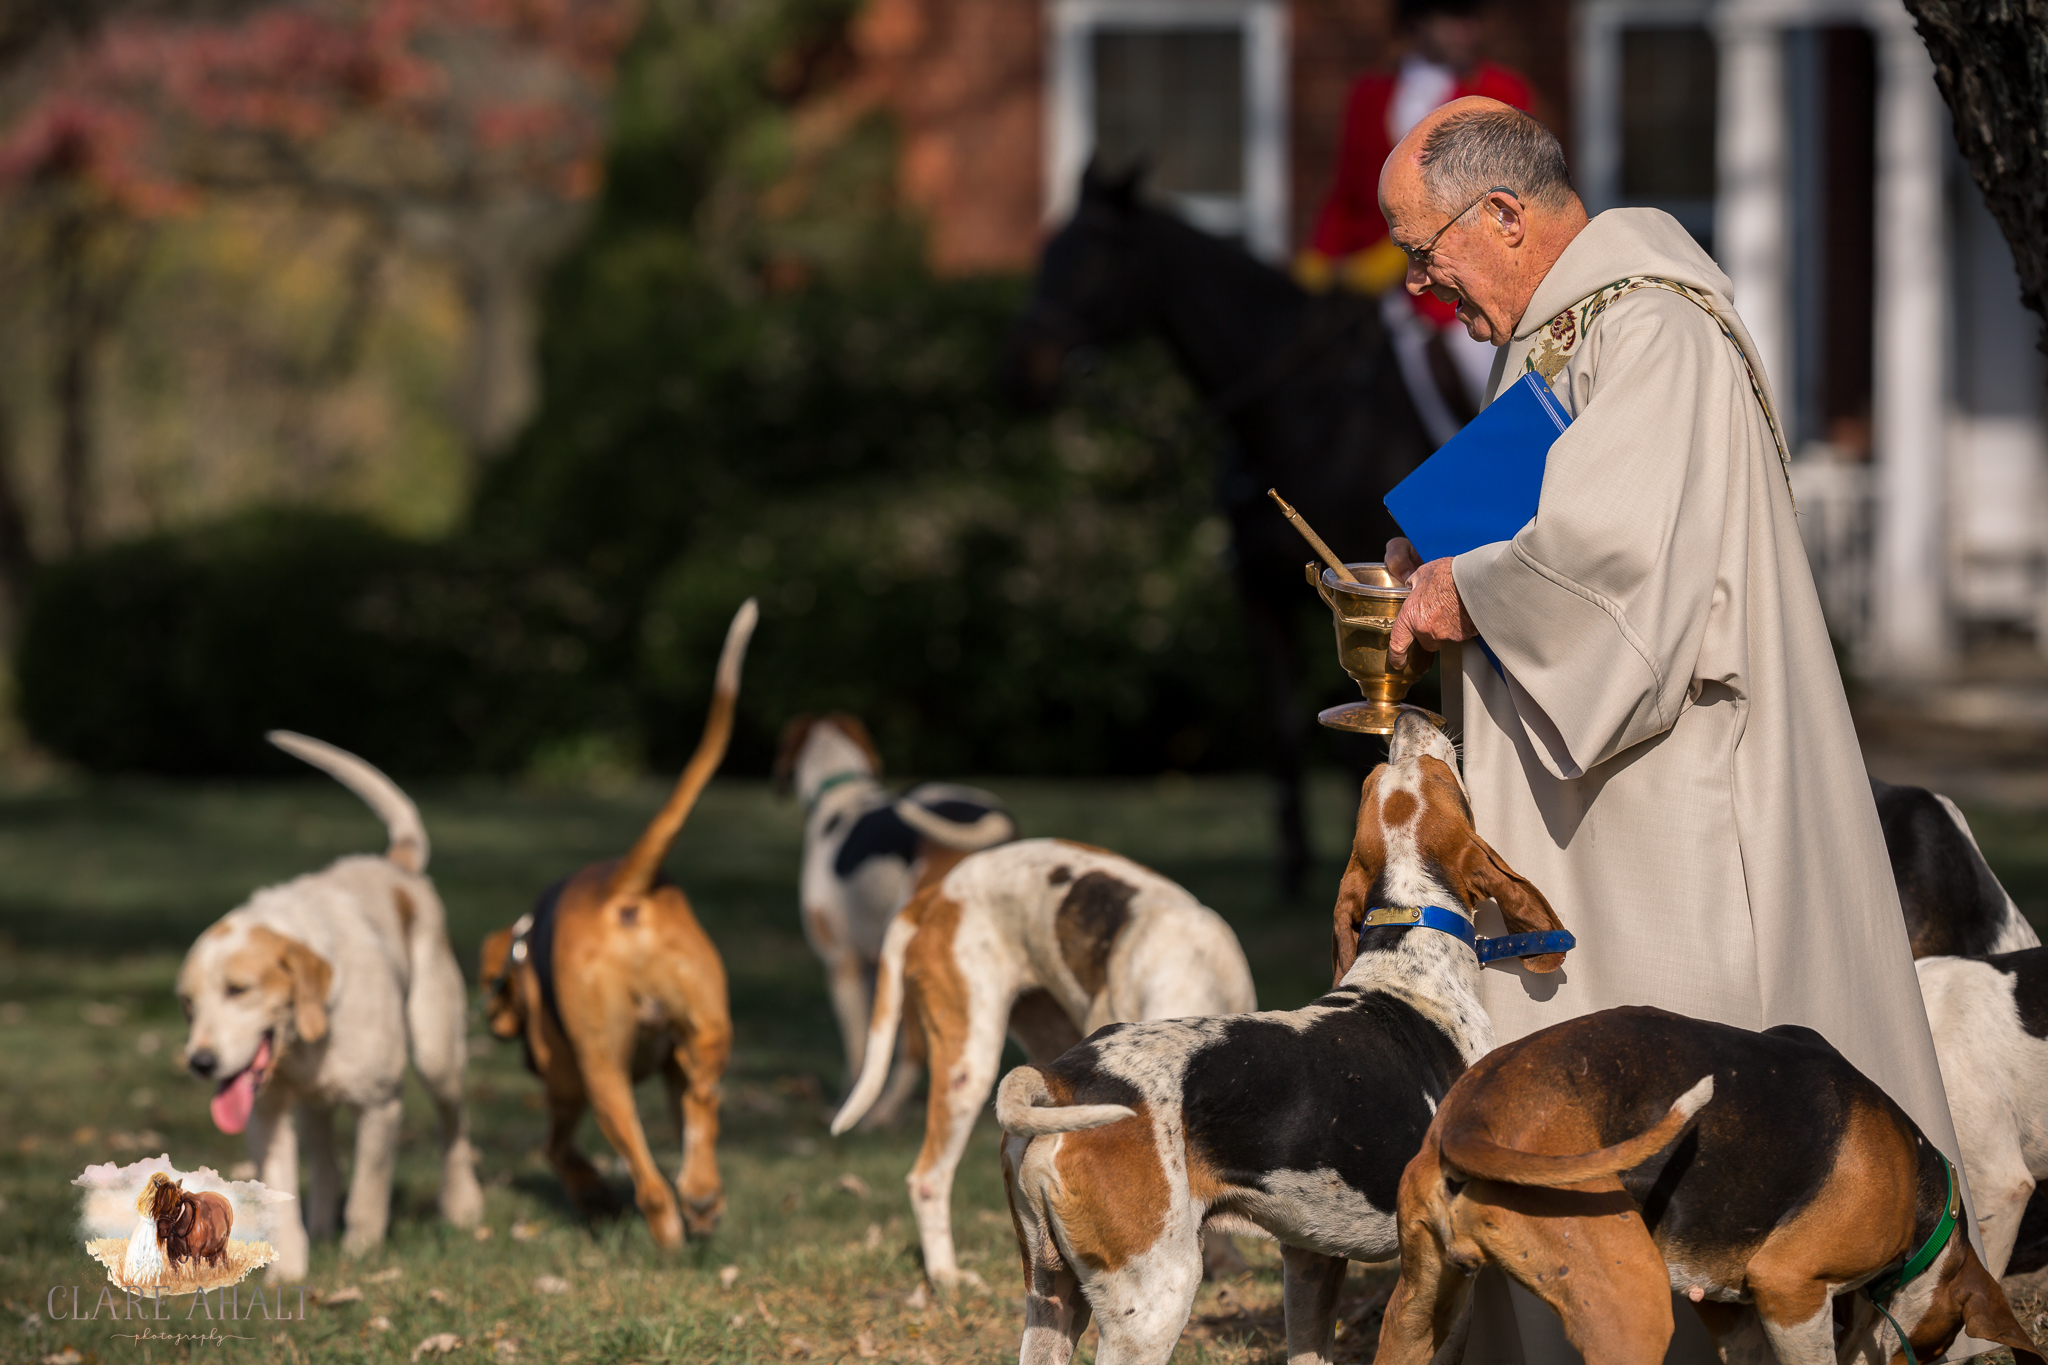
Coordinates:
1446 371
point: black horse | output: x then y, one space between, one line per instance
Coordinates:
1305 387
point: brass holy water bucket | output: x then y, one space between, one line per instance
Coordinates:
1364 616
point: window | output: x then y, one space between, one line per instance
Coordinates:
1649 95
1196 89
1667 118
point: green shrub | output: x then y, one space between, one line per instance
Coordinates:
175 653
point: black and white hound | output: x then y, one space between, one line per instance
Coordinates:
865 851
1951 898
1294 1125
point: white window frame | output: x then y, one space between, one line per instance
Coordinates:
1070 106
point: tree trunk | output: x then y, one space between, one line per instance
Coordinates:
75 337
1991 62
17 556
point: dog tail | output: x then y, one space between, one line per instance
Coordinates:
939 811
882 1022
408 846
1474 1155
1024 1107
636 872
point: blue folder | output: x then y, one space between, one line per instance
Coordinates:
1482 485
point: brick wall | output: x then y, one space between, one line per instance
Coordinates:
965 80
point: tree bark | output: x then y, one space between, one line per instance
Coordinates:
17 555
1991 62
76 338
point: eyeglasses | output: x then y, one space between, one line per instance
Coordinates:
1422 257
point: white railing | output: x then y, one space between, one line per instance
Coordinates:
1837 503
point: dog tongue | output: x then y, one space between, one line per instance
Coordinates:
233 1102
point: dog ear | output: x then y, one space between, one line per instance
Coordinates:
1985 1312
1368 856
1485 874
310 976
788 745
858 733
491 957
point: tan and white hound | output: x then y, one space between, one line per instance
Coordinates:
1047 941
611 978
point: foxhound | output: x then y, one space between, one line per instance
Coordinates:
865 852
311 994
1293 1125
1609 1161
1985 984
1951 898
1046 940
611 977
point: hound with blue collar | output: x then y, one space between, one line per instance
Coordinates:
1293 1125
866 850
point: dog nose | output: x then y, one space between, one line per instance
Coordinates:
202 1062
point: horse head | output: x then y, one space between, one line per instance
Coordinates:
159 1201
1092 288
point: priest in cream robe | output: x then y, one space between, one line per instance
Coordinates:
1665 748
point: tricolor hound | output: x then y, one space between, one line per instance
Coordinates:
1609 1161
1294 1124
1951 898
611 978
312 994
1984 978
1045 940
865 852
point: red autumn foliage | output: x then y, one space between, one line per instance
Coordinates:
433 98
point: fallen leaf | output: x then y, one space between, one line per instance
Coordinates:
396 1272
345 1294
439 1344
762 1309
917 1300
437 1295
873 1241
68 1356
508 1349
853 1185
550 1284
525 1232
728 1276
739 1320
793 1345
380 1323
482 1234
864 1345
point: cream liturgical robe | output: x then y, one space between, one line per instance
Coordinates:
1669 755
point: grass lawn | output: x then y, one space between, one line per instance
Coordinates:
103 885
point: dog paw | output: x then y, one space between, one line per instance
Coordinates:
701 1215
666 1228
462 1202
953 1280
361 1242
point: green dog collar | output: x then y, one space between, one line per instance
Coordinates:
1880 1291
836 780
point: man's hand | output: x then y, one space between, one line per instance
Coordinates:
1433 615
1402 561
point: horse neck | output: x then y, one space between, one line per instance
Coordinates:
1222 313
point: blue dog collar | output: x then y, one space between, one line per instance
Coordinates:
1458 927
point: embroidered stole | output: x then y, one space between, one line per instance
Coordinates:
1556 342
